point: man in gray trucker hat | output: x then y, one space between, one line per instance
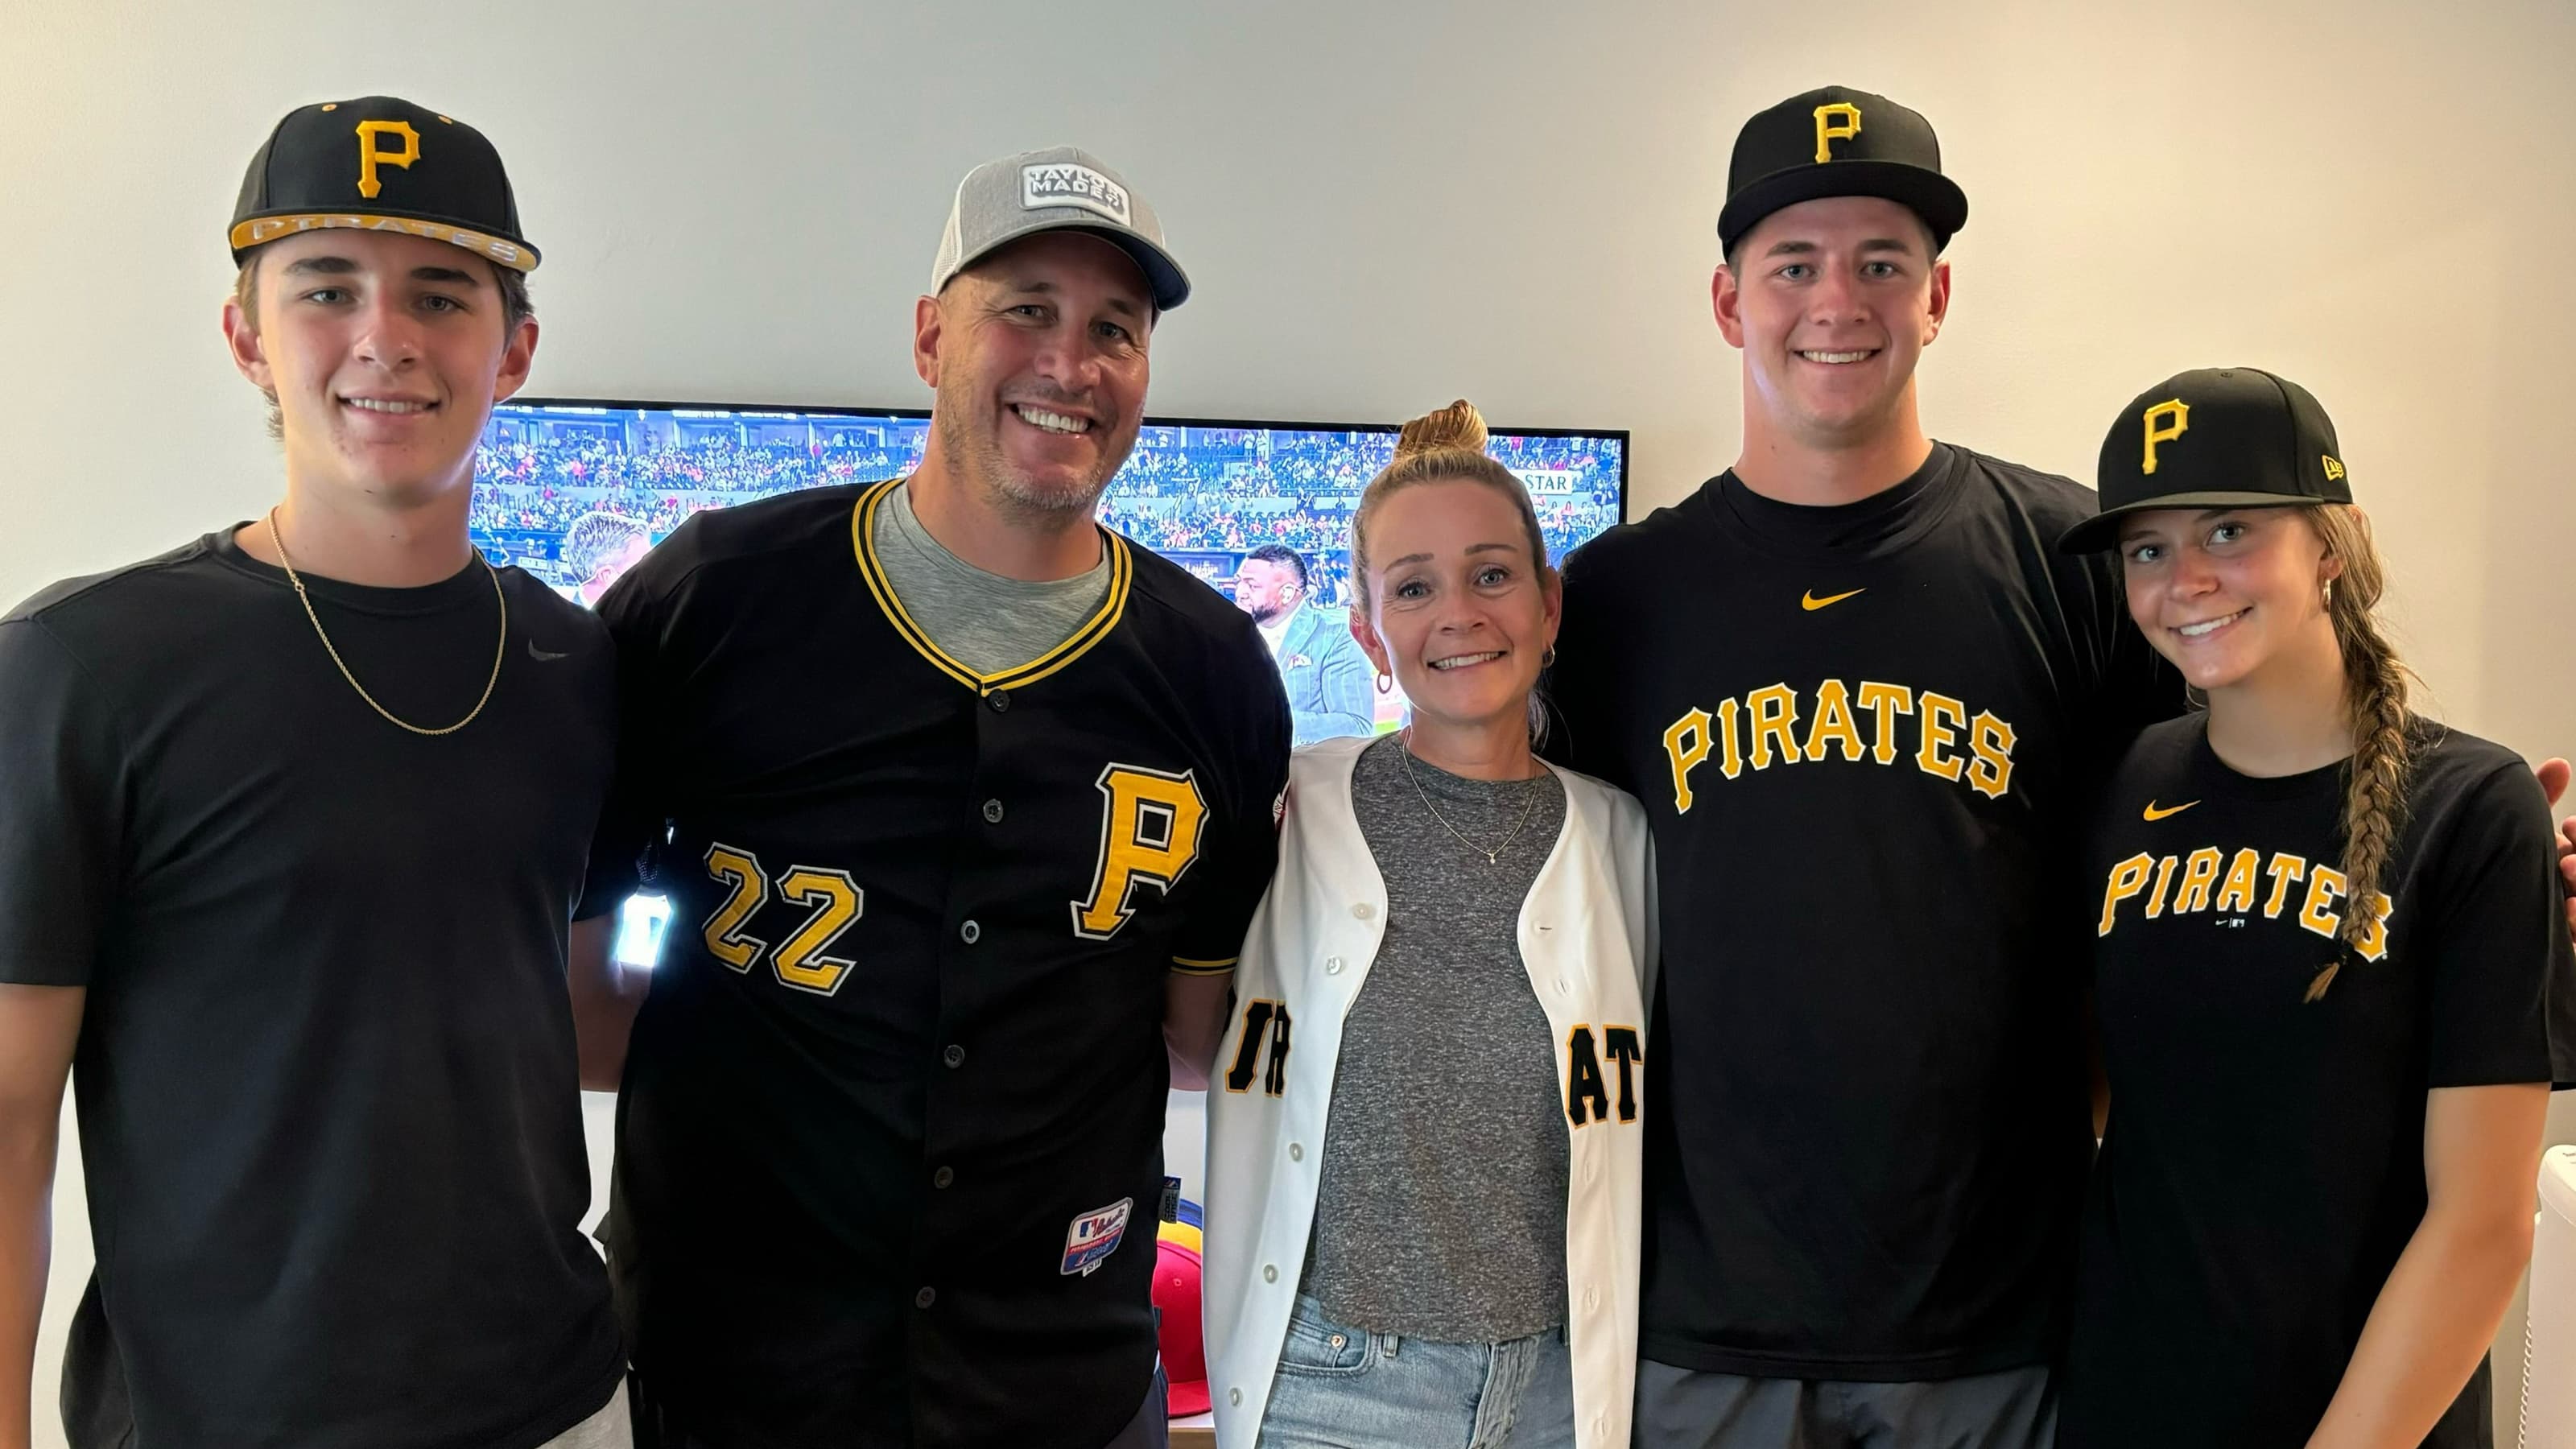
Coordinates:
962 804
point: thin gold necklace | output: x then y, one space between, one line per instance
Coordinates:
1529 803
498 654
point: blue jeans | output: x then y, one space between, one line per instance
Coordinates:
1343 1388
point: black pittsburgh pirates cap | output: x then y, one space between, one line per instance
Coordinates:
380 164
2215 437
1838 142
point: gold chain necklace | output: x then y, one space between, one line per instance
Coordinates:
499 652
1529 803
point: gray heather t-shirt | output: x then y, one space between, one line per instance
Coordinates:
1441 1210
984 621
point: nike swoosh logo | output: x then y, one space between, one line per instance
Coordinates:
1811 603
2155 814
540 655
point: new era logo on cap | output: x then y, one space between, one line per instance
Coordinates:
1066 184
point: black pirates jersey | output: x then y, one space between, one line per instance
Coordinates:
1860 734
889 1140
2264 1165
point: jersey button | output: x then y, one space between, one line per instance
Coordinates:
970 933
942 1178
925 1298
1364 911
1001 701
1269 1274
1296 1152
955 1056
1332 965
992 812
1234 1397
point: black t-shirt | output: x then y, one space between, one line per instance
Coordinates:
889 1144
1862 735
2264 1165
329 1106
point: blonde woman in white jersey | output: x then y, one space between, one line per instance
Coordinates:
1424 1128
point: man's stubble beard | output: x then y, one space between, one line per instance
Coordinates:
1003 487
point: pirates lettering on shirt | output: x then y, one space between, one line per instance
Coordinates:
2235 886
1842 723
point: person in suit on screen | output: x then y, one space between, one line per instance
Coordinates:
1326 676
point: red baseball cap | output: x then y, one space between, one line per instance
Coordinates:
1176 1293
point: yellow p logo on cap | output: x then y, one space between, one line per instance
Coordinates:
2165 422
1839 121
370 155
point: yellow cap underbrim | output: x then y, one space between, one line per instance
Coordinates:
498 250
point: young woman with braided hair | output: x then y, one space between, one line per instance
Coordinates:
2332 971
1424 1140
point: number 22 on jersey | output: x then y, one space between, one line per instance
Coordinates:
833 899
1150 827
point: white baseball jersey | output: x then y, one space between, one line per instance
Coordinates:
1586 938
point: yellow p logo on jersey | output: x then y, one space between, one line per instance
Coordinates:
1150 822
2165 422
1839 121
371 155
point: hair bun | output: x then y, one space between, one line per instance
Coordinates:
1458 425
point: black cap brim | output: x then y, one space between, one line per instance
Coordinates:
1928 194
2102 530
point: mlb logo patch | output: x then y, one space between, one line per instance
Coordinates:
1094 1236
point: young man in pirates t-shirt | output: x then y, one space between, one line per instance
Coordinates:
292 822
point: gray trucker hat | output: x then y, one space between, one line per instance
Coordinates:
1063 189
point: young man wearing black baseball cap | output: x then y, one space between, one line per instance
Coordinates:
295 819
1857 689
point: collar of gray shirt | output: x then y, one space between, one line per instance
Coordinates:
982 620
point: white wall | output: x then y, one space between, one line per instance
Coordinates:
1384 206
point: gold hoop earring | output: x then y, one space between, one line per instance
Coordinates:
2329 593
1548 660
1386 684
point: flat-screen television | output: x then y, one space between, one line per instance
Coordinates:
575 491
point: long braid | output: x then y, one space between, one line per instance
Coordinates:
2375 684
